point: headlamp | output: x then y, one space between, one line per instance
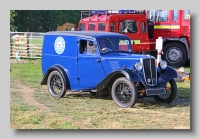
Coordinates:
162 64
138 66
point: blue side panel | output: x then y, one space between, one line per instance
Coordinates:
57 51
111 64
90 71
70 66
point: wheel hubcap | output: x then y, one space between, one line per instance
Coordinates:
174 54
56 84
123 93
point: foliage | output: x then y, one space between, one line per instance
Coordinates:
66 26
13 14
42 20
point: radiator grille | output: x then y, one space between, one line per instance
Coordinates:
149 70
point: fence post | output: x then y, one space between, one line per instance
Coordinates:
17 39
11 44
31 43
26 42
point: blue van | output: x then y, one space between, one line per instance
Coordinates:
104 63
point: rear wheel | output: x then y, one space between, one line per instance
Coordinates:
175 54
169 96
124 92
56 84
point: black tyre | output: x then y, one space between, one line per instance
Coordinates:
124 92
56 84
169 96
175 54
93 93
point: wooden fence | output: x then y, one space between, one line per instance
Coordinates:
26 44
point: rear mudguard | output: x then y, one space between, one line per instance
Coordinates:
166 75
109 80
62 72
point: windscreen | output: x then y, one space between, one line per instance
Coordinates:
114 45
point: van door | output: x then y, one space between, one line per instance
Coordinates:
90 69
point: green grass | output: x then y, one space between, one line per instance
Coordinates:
30 72
37 41
21 114
81 111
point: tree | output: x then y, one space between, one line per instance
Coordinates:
12 16
43 20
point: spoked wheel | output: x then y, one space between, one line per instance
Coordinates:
124 92
56 84
169 96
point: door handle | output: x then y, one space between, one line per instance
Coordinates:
98 60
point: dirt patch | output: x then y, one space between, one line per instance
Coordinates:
18 61
27 94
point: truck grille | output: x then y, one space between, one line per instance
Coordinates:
149 71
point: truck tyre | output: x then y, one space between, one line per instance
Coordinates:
169 96
56 84
175 54
124 92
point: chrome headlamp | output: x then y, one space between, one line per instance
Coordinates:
162 64
138 66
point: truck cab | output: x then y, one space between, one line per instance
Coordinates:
127 22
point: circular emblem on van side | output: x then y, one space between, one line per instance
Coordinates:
59 45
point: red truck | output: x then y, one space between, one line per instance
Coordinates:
174 27
143 27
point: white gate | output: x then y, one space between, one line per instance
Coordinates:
26 44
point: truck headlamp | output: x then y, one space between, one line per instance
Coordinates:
138 66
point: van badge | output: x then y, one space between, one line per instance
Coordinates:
59 45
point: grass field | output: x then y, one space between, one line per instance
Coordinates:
31 106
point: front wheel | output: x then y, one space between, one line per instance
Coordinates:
56 84
169 96
124 92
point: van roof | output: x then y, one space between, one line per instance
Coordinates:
87 34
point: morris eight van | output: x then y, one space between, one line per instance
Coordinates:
104 63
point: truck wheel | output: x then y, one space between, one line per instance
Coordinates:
56 84
169 96
175 54
124 92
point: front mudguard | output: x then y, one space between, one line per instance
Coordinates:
166 75
109 80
